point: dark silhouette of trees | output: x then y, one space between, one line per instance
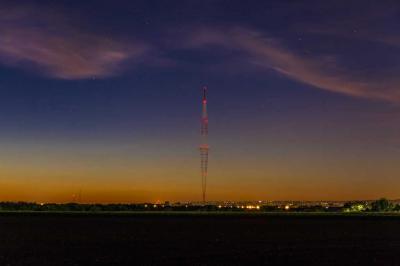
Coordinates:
381 205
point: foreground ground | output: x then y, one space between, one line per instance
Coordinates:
137 239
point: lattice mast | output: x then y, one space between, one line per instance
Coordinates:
204 145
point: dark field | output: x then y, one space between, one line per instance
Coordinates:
67 239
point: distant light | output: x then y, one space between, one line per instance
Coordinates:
219 206
257 207
287 207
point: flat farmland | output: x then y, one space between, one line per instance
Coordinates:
170 239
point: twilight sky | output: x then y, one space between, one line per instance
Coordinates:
104 97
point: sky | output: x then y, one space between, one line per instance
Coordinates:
102 99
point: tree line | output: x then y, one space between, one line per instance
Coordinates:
380 205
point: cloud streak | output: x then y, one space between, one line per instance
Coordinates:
49 45
45 42
320 71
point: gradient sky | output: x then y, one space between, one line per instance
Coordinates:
104 97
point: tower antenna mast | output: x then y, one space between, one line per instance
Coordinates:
204 145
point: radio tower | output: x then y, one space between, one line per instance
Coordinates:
204 145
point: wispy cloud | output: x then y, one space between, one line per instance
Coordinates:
48 44
321 71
